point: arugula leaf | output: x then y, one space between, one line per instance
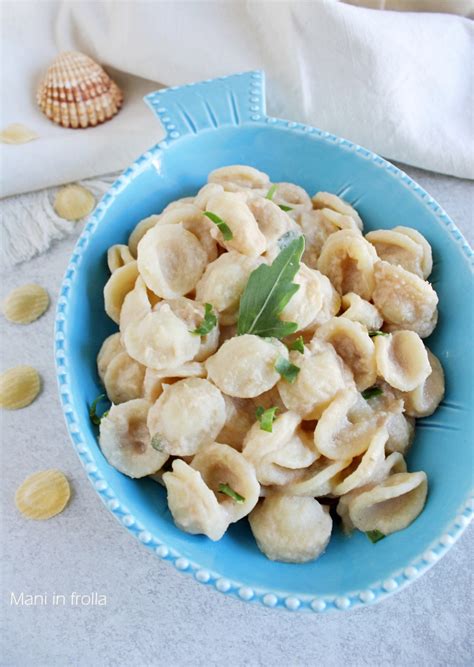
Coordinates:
287 370
271 193
268 290
285 208
94 417
223 227
297 345
371 392
225 488
266 417
372 334
208 323
375 536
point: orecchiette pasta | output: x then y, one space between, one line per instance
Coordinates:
204 406
125 440
404 300
317 410
348 260
353 344
252 360
402 359
291 529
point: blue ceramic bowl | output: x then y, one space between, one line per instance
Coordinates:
220 122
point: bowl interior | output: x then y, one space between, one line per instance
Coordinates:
443 442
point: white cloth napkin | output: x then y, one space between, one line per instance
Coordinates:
398 83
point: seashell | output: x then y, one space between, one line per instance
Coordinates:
43 494
16 133
76 92
19 387
25 304
73 202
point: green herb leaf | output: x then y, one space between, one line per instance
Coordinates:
297 345
157 442
225 488
223 227
94 417
287 370
208 323
271 193
371 392
372 334
268 290
266 417
285 208
375 536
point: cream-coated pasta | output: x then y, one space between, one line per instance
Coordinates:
118 255
246 236
191 218
139 232
111 346
240 177
398 249
323 200
402 359
123 379
425 398
120 283
414 235
360 310
271 220
319 479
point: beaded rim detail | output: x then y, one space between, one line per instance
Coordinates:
377 591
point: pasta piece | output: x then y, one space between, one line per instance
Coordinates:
246 236
140 231
427 261
177 203
359 310
404 300
161 340
391 505
401 432
271 220
363 471
353 344
221 465
239 177
398 249
223 283
155 381
203 408
74 202
120 283
292 196
348 260
268 399
244 367
424 399
321 376
192 219
125 440
194 507
240 416
19 387
331 201
346 426
307 305
171 260
43 495
111 346
276 455
205 193
291 529
319 479
124 378
17 133
135 305
25 304
117 256
316 229
402 359
192 313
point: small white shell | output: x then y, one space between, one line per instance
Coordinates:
25 304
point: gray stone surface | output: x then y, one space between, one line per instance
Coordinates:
154 615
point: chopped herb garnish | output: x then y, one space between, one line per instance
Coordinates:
223 227
372 334
266 417
225 488
208 323
375 536
268 290
271 193
287 370
285 208
94 417
157 442
297 345
371 392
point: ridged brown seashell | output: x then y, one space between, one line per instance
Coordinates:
76 92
